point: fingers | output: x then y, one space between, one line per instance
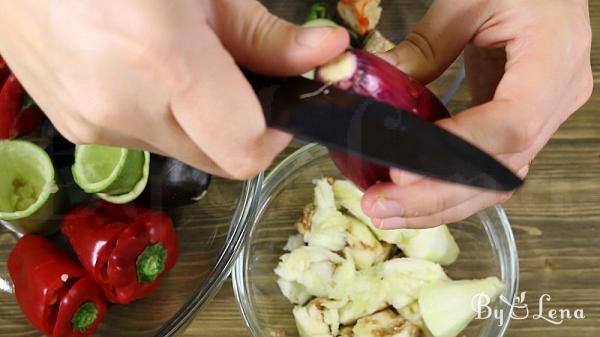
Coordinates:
453 214
267 44
218 110
423 198
416 199
438 38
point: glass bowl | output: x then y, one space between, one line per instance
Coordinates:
210 234
486 242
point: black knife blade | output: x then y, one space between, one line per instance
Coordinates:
377 132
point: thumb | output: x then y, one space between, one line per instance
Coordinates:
264 43
438 38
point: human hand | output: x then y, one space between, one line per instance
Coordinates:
160 75
528 68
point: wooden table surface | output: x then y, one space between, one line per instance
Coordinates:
556 221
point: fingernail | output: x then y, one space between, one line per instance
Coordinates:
376 222
392 223
386 207
312 36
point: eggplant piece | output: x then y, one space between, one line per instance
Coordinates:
60 150
173 183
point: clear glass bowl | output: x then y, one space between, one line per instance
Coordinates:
210 233
486 242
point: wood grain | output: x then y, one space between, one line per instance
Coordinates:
556 220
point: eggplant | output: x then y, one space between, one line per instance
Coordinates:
62 154
173 183
369 75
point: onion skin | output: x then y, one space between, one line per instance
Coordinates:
373 77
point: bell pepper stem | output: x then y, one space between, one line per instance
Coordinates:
151 263
84 317
318 11
26 101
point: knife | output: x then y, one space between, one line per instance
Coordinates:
377 132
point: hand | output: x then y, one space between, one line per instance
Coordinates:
528 68
160 75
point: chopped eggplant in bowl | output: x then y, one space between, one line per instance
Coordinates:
106 241
315 266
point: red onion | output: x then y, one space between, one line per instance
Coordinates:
368 75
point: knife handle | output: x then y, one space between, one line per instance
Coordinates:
260 82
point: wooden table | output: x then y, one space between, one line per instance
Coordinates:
556 220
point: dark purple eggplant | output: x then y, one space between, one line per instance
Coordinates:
173 183
61 152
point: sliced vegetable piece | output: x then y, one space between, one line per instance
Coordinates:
303 225
117 175
433 244
318 318
346 331
363 246
385 323
361 15
348 196
328 226
26 185
295 292
412 313
404 278
366 74
311 267
448 306
375 42
366 296
344 278
294 242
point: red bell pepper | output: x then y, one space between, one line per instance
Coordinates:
125 248
54 292
19 115
4 71
10 102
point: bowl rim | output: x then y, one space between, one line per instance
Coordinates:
499 236
239 230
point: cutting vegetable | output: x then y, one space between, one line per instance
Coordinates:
174 67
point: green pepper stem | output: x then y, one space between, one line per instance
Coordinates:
26 101
317 11
84 317
151 263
